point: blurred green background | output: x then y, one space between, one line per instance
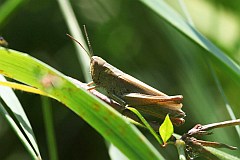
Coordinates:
133 38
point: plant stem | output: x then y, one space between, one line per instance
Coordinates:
180 144
48 120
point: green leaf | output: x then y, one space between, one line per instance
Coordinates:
9 7
49 127
18 132
162 9
107 121
166 129
23 127
135 111
220 154
75 30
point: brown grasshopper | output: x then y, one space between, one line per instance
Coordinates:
130 91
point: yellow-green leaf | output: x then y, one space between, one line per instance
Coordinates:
166 129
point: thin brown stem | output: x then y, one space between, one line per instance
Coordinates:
221 124
202 129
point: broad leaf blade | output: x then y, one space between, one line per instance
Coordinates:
108 122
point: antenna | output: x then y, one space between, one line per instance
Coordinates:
89 53
88 41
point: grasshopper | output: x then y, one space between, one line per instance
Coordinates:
130 91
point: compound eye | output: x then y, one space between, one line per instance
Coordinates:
95 60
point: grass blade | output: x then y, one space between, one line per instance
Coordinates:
18 131
227 105
144 121
14 105
75 30
48 121
173 18
220 154
8 7
108 122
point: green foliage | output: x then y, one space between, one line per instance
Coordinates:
166 129
108 122
139 115
221 155
147 39
22 125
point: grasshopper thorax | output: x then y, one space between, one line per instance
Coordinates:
104 74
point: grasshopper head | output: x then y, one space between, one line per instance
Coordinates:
97 61
102 72
97 68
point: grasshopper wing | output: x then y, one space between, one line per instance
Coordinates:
157 106
137 99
